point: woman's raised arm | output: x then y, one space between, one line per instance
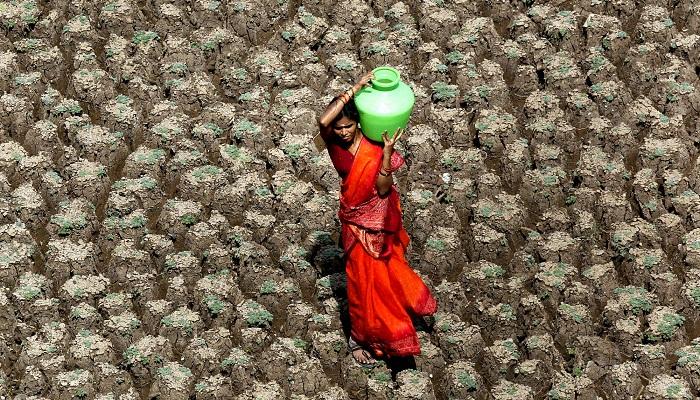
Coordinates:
334 108
332 111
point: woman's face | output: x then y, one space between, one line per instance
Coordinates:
345 128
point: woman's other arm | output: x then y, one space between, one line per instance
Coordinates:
384 178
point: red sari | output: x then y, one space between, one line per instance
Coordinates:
383 291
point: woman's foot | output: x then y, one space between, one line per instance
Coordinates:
363 356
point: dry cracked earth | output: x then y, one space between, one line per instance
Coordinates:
167 230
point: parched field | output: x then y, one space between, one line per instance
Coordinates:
167 230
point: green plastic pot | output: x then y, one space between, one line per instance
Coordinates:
386 105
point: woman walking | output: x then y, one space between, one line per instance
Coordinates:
383 291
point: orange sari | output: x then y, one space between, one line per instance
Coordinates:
383 291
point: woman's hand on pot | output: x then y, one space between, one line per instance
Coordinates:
390 142
365 80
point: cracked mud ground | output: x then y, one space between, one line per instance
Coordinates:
168 232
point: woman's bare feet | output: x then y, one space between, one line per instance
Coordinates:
363 356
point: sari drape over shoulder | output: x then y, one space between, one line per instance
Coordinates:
383 291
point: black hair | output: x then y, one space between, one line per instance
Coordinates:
349 110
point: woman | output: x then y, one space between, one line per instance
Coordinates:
383 291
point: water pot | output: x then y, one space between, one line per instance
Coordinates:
386 105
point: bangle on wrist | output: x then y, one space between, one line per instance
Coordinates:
384 173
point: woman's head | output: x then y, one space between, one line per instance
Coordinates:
345 124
